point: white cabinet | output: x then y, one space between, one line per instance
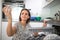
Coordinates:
46 2
50 3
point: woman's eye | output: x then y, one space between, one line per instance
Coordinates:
26 14
22 13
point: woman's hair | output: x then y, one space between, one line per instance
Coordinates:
28 20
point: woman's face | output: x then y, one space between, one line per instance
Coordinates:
24 15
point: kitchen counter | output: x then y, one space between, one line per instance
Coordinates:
53 22
42 29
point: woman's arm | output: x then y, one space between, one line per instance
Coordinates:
10 30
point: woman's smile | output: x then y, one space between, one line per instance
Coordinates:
24 15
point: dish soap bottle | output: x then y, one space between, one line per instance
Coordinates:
57 17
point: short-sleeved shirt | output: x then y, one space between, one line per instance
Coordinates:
21 34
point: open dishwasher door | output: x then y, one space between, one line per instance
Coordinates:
56 29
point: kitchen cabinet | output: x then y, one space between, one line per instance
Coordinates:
46 2
50 3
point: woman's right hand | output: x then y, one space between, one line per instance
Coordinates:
7 11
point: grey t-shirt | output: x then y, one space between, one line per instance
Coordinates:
21 34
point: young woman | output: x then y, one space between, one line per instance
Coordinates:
20 30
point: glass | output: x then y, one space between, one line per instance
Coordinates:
16 8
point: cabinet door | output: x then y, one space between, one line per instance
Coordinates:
46 2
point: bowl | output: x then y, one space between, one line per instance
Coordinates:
38 18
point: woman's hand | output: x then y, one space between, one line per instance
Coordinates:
7 11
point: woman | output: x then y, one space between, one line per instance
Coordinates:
20 30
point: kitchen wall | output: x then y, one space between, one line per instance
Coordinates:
45 13
34 5
36 8
54 10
